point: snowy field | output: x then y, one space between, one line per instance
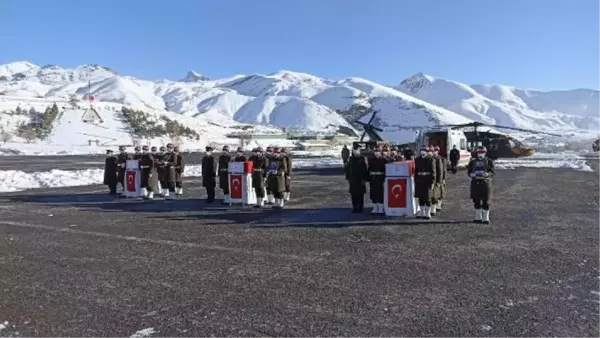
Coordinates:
16 180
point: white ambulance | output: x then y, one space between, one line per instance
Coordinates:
446 138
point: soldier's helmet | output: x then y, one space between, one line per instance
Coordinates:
225 148
481 150
153 149
122 148
240 150
137 148
145 148
169 145
269 149
259 149
109 152
208 148
276 150
162 149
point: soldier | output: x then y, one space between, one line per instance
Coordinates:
169 162
160 171
425 174
121 162
137 155
224 160
395 156
240 155
442 182
209 174
356 175
481 170
276 177
179 166
259 175
149 177
376 172
345 154
270 156
454 157
408 154
288 174
110 172
385 153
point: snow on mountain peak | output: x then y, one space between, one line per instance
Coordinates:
10 69
416 82
193 76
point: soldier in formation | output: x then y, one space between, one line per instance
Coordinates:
288 174
121 162
408 154
240 155
425 180
169 163
224 160
111 172
149 176
137 154
440 180
179 167
276 177
357 175
209 174
376 174
259 175
481 170
270 199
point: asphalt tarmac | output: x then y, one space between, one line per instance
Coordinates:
75 262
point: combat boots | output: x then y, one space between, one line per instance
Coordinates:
478 215
431 211
226 199
278 203
270 199
286 196
485 216
439 205
143 192
380 209
426 212
259 202
179 191
375 209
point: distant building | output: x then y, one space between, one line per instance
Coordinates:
91 116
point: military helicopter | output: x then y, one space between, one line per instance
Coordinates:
498 145
374 139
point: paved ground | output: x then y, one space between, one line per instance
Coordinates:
73 262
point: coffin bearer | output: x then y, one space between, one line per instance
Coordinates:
240 155
121 162
259 175
270 156
345 154
481 170
454 157
169 162
276 177
209 174
439 176
179 166
110 172
442 183
288 174
160 171
356 175
376 171
224 160
149 177
425 174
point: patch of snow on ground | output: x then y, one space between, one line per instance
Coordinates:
3 326
579 165
143 333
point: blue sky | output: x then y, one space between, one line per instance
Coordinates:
545 44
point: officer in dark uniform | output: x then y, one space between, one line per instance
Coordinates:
288 174
425 174
276 177
259 175
147 174
169 162
179 167
121 162
376 172
240 155
408 154
454 158
357 175
110 172
137 155
440 177
224 160
481 170
270 199
209 174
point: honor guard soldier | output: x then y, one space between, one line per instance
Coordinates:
240 155
259 175
376 172
443 166
179 167
481 170
224 160
148 175
288 174
160 171
356 175
121 162
111 172
137 155
408 154
276 177
385 153
209 174
425 174
437 187
169 162
270 156
395 156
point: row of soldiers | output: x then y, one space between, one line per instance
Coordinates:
392 153
161 170
271 174
430 181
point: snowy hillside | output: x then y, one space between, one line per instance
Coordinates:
574 111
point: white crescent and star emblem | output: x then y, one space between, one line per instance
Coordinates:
233 182
397 195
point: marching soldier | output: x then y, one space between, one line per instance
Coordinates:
148 177
376 172
345 154
454 157
270 156
121 162
356 175
442 183
209 174
224 160
481 170
240 155
179 166
288 174
437 187
169 162
259 175
110 172
276 177
425 175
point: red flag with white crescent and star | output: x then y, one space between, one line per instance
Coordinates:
130 177
396 191
235 186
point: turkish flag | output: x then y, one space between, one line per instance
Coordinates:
90 98
397 192
130 177
235 186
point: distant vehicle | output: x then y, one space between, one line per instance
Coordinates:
446 139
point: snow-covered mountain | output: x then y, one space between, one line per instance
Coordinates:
553 111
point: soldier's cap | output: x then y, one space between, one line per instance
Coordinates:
109 151
137 148
153 148
162 148
426 148
436 148
269 148
209 148
145 148
259 149
283 150
122 147
481 149
240 149
276 150
170 146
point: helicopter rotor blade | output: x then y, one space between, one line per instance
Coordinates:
524 130
372 117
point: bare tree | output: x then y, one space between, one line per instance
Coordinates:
5 136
